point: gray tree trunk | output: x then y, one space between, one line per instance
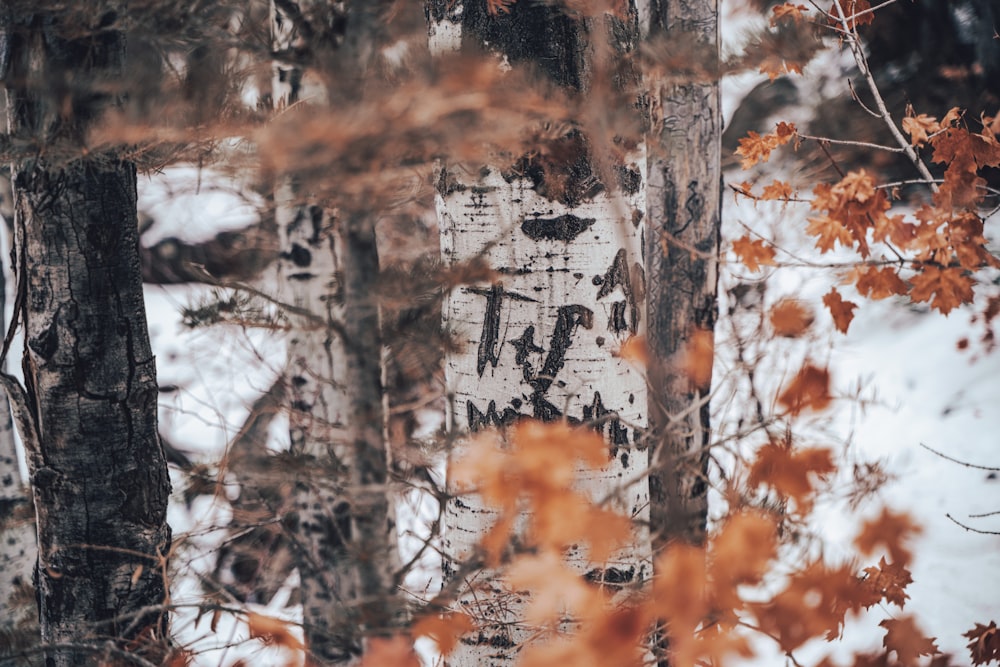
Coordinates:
345 530
542 341
683 203
88 411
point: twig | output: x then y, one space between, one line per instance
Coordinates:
848 142
862 62
971 529
953 460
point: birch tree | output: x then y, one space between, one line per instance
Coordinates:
17 525
542 341
88 410
344 530
683 198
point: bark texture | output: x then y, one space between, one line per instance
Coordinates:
344 528
88 411
17 534
684 207
17 515
542 341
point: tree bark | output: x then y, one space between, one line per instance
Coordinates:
88 411
542 341
17 517
684 206
345 527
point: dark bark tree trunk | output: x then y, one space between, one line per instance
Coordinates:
88 412
684 213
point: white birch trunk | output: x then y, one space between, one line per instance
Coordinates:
17 516
542 342
345 525
17 532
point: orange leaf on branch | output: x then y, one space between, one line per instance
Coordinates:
272 630
791 472
787 11
757 148
965 153
696 359
829 232
393 652
812 605
918 127
876 283
984 644
741 553
444 629
808 390
841 310
949 288
890 531
754 253
778 190
790 318
855 11
889 581
905 638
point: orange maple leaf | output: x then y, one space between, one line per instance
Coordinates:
791 472
841 310
891 531
393 652
445 629
787 11
754 253
889 581
852 9
808 390
756 148
778 190
273 631
742 550
813 604
965 153
918 127
905 638
985 643
679 589
948 288
828 232
697 357
790 318
876 283
556 589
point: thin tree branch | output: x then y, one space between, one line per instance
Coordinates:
954 460
971 529
854 40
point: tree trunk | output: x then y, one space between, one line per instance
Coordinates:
88 412
543 340
17 520
345 529
684 206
